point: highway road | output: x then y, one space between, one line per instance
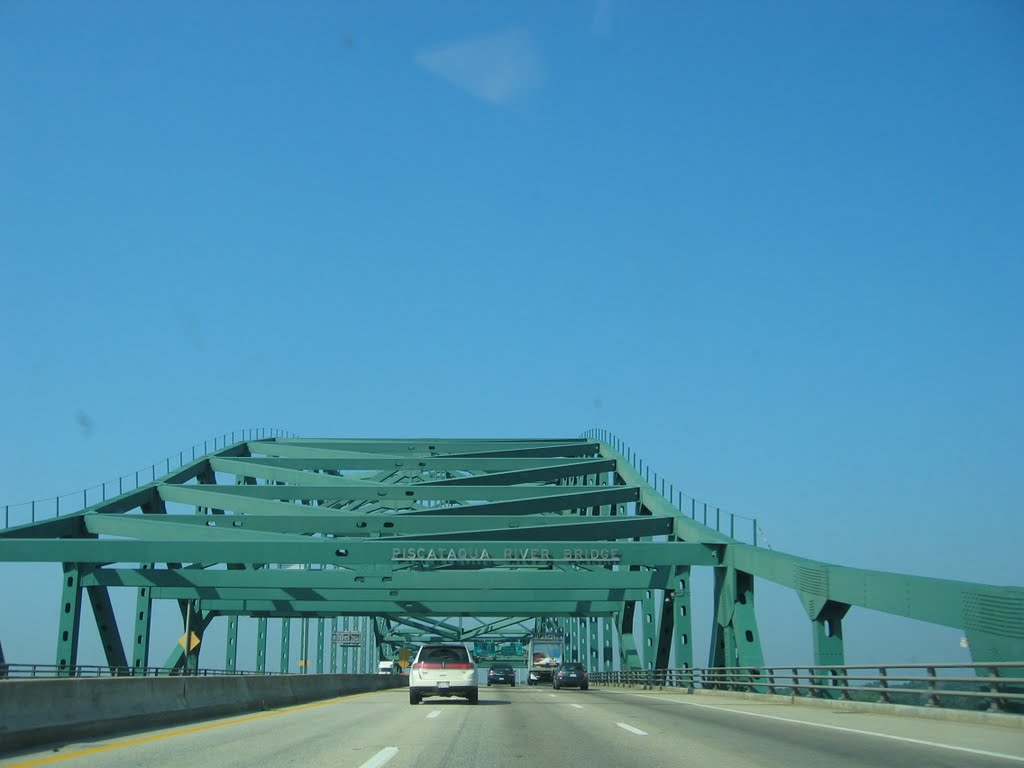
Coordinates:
523 726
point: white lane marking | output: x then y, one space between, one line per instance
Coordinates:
435 713
578 706
923 742
380 758
552 695
631 729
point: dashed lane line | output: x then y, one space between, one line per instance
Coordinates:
380 758
631 729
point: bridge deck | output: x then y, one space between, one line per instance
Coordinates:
600 728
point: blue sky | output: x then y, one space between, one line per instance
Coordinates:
777 248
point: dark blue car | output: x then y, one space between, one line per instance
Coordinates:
505 675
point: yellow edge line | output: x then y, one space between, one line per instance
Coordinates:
186 731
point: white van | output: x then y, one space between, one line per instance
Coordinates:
386 668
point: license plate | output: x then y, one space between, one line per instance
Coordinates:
442 684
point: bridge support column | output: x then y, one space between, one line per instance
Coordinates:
346 651
261 644
649 628
231 644
304 644
628 656
334 645
70 620
320 646
735 641
827 629
607 646
140 646
106 625
682 623
286 639
594 645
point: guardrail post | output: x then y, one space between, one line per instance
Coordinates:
933 700
996 703
883 681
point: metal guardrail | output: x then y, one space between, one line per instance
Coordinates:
709 514
66 503
920 684
45 671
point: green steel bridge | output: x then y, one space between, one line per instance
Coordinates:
378 545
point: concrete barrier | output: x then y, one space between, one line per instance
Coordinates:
54 710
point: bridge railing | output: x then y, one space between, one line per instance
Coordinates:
736 526
42 671
918 684
66 503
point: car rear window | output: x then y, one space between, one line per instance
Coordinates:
447 654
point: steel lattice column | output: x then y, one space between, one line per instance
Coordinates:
607 647
286 639
143 607
334 645
70 620
682 629
261 644
320 646
231 650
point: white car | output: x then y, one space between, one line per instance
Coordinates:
443 670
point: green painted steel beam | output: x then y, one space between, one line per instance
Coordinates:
354 597
316 609
565 450
257 499
182 528
59 527
993 615
340 489
244 468
536 475
137 526
106 626
426 447
404 580
583 528
338 552
418 464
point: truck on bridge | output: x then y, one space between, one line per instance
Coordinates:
545 656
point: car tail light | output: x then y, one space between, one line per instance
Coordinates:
460 666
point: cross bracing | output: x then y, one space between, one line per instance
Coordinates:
461 540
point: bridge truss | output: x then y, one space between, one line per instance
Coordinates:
462 540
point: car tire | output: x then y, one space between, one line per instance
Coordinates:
415 697
513 684
473 697
555 687
488 683
584 687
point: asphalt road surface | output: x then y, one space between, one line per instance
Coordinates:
543 728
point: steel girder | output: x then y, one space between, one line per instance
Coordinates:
401 537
